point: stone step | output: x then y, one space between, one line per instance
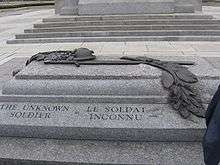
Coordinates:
114 39
126 17
129 22
124 28
121 33
41 151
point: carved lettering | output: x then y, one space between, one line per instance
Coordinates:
32 111
92 109
55 108
95 112
10 107
121 117
30 115
126 109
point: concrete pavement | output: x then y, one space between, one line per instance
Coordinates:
16 21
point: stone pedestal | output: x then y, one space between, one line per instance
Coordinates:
103 7
63 114
112 102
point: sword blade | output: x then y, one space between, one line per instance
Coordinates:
111 62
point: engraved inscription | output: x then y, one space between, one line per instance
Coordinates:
29 115
74 112
9 107
55 108
33 111
125 113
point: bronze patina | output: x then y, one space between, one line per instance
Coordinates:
176 78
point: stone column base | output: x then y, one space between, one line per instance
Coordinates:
66 7
69 10
105 7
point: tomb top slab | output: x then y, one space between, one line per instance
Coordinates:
38 70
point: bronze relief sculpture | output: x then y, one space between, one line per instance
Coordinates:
176 78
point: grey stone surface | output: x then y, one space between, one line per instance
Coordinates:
126 17
59 4
7 69
126 122
69 7
57 152
130 22
14 151
38 70
43 118
94 7
126 88
188 6
114 39
99 102
122 28
120 33
214 61
87 99
184 9
103 7
197 4
103 89
129 80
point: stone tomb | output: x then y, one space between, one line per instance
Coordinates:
103 7
123 102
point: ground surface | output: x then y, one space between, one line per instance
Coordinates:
18 4
15 21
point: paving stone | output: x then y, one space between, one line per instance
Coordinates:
70 46
32 48
9 49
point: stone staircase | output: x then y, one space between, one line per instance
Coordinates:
119 28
